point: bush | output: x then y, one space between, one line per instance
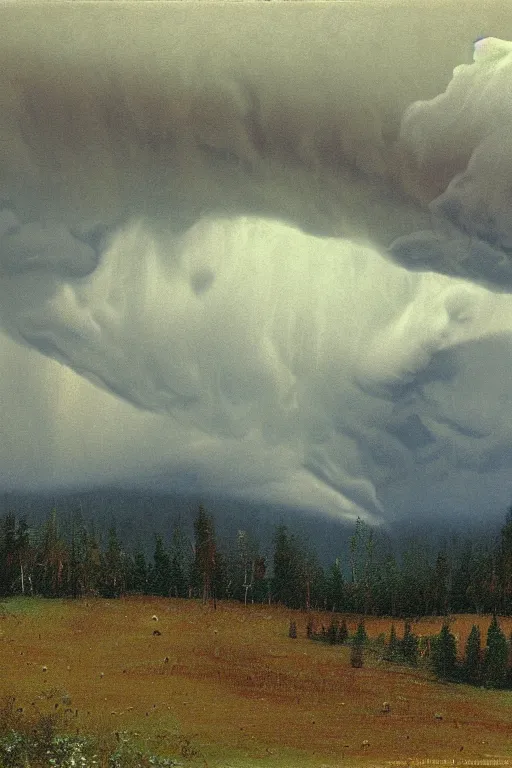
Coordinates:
34 741
356 656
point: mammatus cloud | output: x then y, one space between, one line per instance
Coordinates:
149 242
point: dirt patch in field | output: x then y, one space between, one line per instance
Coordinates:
230 684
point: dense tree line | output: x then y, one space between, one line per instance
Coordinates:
66 557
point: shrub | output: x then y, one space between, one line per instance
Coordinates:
356 656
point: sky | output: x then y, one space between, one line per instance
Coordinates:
259 251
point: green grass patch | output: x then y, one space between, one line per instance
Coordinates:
25 606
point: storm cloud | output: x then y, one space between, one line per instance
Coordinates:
256 263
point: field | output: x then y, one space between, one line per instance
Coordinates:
230 688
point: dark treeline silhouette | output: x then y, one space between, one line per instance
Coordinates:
65 557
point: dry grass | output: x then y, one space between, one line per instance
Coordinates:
235 689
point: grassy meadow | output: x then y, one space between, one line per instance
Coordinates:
228 687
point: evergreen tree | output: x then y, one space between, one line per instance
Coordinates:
287 581
409 645
52 557
444 654
139 573
496 656
358 643
363 572
472 667
8 564
509 670
416 577
261 582
461 582
205 555
113 567
245 566
335 588
160 579
92 560
360 636
25 557
180 562
390 586
440 589
392 652
505 565
311 579
480 589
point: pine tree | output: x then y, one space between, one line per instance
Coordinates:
286 582
440 584
113 570
335 587
52 558
392 652
496 656
472 667
205 554
389 586
358 643
444 654
505 564
8 565
139 573
409 645
180 562
261 582
161 572
92 560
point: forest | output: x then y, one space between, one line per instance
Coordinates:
375 578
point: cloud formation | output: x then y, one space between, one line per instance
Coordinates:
150 244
